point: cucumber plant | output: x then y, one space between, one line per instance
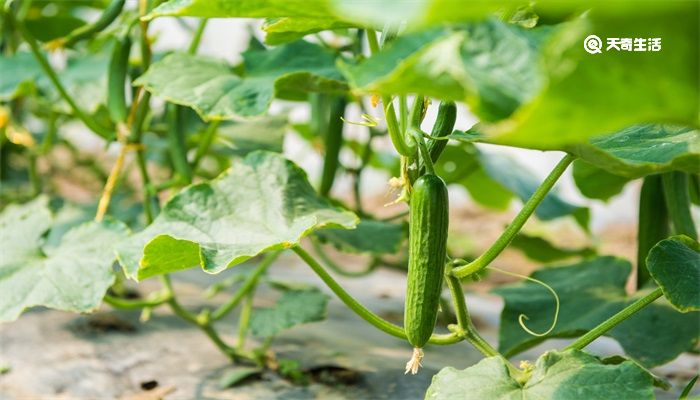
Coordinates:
200 179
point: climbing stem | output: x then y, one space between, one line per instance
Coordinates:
359 309
248 285
509 233
464 321
611 322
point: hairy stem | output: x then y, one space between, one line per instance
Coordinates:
509 233
611 322
359 309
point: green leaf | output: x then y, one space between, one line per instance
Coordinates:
590 292
212 89
243 9
263 203
591 95
285 30
540 249
375 237
597 183
644 149
73 275
294 308
569 375
18 70
243 138
674 263
491 65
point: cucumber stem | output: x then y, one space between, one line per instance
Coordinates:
613 321
360 310
509 233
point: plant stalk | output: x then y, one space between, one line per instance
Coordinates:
509 233
360 310
613 321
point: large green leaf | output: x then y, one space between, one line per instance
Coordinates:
244 8
588 95
370 236
72 275
294 308
590 292
263 203
644 149
212 88
674 264
538 87
569 375
491 65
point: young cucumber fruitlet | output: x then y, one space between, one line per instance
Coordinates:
429 219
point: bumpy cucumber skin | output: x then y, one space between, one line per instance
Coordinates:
429 219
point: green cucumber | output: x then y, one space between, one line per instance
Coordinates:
333 144
677 194
444 124
116 90
653 224
429 219
87 31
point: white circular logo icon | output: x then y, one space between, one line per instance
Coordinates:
593 44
